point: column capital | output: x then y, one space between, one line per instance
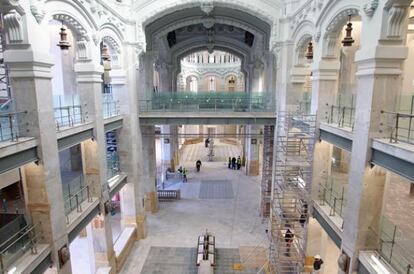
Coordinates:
381 60
326 70
25 63
88 72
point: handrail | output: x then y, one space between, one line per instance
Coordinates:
78 201
388 255
25 232
398 129
7 114
341 112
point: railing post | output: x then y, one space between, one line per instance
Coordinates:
78 207
393 242
409 129
342 201
396 127
332 213
330 119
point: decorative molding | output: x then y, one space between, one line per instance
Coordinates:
396 16
82 51
14 27
74 25
370 8
37 10
112 43
317 36
207 7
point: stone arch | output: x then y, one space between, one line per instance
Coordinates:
333 30
114 42
300 50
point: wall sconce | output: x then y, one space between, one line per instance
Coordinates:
309 52
63 42
348 40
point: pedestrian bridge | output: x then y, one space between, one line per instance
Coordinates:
214 108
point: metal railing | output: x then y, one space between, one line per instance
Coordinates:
67 111
75 194
304 106
395 247
342 116
11 128
112 165
208 101
333 194
401 127
110 107
22 241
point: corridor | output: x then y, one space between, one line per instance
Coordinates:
233 219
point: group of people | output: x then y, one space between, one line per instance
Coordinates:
234 163
183 171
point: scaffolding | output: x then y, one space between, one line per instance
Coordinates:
267 171
295 139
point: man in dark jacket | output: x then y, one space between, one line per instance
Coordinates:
317 263
233 163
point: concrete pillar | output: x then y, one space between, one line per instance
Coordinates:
149 166
30 75
130 147
89 79
324 89
252 147
377 87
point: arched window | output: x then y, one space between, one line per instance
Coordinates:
211 83
193 84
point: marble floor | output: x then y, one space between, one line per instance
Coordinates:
234 221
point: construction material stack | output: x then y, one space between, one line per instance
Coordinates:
206 253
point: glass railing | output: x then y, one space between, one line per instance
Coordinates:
395 247
15 246
333 193
112 162
68 111
208 101
342 113
11 126
110 107
75 193
304 106
400 126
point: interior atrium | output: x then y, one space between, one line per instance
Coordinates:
206 136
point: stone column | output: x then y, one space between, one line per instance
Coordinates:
149 166
379 83
324 89
30 75
252 147
89 79
130 147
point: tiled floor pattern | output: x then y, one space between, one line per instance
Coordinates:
235 222
181 260
216 189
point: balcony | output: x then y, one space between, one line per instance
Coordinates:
68 112
342 114
394 247
110 107
208 102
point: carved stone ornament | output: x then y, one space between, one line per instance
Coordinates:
317 36
13 24
207 7
396 15
370 8
37 9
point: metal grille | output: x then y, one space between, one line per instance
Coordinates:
267 172
291 192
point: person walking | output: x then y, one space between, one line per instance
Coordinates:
317 263
233 163
184 175
229 162
198 165
289 240
238 163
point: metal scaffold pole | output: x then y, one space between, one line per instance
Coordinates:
267 172
291 200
